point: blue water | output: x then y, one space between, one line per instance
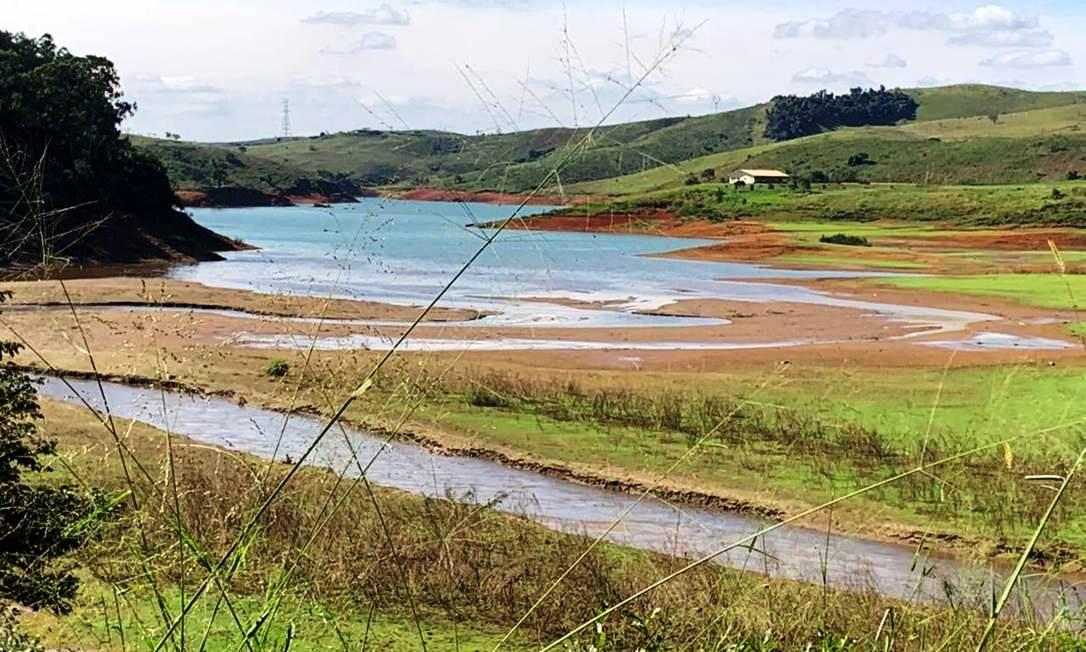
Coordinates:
404 252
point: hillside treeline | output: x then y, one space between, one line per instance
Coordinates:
792 116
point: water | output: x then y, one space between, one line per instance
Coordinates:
790 552
403 252
990 341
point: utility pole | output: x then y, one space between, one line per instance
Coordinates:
286 120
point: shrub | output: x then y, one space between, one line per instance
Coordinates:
862 158
13 639
1074 175
845 239
278 368
41 524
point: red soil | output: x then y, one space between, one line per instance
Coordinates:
434 194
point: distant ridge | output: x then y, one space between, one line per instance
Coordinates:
516 162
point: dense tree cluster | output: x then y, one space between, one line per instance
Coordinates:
791 116
63 161
41 523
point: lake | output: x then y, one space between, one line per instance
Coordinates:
403 252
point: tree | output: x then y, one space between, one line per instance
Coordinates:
60 117
41 523
861 158
790 116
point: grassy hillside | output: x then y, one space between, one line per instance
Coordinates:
514 162
1061 204
650 150
963 100
193 166
1037 145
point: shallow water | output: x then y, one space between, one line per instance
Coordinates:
995 341
790 552
433 344
403 252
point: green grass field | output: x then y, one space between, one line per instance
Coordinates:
1055 204
839 430
309 626
1063 292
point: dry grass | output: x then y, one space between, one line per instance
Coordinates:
458 558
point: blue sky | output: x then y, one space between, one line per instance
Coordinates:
219 69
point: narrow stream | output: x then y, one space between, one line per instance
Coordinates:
790 552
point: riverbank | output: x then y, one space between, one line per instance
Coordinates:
463 592
165 293
891 245
237 197
482 197
525 438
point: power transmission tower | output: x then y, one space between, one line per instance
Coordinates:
286 119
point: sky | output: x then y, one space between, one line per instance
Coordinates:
214 70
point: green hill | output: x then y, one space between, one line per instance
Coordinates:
1037 145
513 162
965 100
656 153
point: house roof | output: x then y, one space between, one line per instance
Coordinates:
764 173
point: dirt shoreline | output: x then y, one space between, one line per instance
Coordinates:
1045 558
120 292
482 197
251 198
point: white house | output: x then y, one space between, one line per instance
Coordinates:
751 177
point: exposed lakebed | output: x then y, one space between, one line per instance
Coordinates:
403 252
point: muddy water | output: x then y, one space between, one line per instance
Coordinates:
791 552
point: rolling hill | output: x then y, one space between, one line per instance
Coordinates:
1046 144
963 134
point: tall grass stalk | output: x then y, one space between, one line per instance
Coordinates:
367 382
1023 559
655 484
788 521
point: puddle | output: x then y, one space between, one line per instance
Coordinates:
1002 341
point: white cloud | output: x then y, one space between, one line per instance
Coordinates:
1034 38
845 24
891 61
989 25
696 96
376 41
369 41
383 15
176 94
1038 59
173 84
988 17
830 78
930 81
